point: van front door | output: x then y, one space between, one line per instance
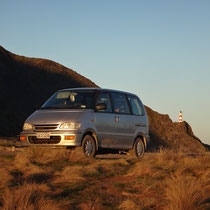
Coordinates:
105 123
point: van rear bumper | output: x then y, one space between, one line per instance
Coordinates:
54 139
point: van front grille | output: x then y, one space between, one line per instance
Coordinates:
45 127
51 140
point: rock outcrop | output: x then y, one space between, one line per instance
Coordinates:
173 135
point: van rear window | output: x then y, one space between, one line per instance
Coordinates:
136 105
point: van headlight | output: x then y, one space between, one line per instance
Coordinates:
70 125
27 126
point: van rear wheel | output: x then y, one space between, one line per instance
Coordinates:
89 146
138 148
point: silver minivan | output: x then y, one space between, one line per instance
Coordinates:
92 118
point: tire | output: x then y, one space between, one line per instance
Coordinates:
89 146
138 148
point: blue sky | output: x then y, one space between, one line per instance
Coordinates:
158 49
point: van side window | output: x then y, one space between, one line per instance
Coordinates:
104 98
120 103
136 105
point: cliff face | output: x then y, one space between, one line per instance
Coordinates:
26 83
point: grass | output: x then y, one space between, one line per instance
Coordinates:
28 196
186 192
64 179
46 155
5 178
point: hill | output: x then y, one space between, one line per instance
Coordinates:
26 83
172 135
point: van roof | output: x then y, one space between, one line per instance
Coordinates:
98 89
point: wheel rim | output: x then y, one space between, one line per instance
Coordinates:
88 148
139 149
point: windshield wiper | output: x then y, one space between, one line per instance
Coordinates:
50 107
77 106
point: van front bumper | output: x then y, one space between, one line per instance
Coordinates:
56 138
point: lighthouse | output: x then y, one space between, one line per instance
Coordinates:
180 116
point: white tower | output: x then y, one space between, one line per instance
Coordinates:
180 116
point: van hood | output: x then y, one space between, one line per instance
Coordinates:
56 116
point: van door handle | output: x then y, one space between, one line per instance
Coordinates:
117 119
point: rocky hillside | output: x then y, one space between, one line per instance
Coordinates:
26 83
172 135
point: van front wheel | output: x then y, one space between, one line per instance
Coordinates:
138 148
89 146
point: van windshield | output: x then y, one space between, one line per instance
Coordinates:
70 99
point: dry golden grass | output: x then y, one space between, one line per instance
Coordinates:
128 205
76 155
2 148
146 193
5 177
28 196
106 167
26 167
70 174
184 180
94 204
46 155
95 168
65 179
187 192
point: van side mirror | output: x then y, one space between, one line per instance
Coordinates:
101 106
